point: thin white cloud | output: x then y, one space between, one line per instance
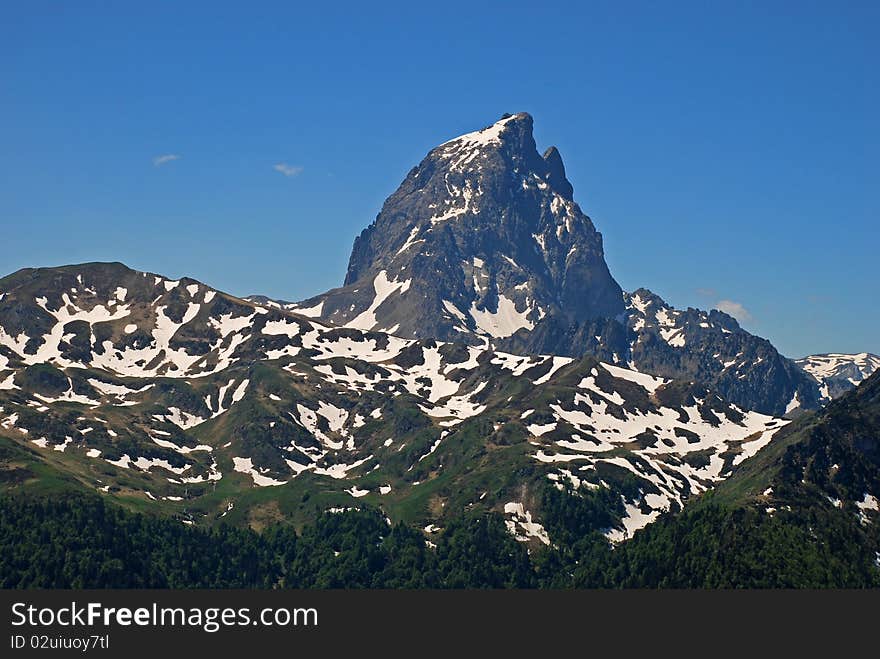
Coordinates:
288 170
734 309
165 158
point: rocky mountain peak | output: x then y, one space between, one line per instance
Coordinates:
482 239
511 137
483 242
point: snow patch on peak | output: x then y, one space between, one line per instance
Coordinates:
411 240
485 136
383 287
502 322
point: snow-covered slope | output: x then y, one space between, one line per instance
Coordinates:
175 392
838 373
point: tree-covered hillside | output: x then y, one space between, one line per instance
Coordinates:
86 543
802 513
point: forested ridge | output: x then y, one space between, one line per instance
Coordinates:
800 514
85 542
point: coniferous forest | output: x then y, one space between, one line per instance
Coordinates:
83 542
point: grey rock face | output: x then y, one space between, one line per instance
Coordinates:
712 348
707 347
481 239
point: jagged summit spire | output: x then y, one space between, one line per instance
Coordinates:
513 139
507 127
556 172
507 144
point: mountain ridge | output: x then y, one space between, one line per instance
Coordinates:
837 373
483 243
170 393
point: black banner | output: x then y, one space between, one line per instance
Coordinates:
396 623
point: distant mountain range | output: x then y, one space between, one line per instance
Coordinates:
836 373
479 352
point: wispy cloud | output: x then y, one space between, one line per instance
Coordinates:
164 159
734 309
288 170
707 292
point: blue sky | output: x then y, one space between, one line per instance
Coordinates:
726 151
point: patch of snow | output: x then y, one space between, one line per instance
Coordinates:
246 466
383 288
522 521
314 311
504 321
647 382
